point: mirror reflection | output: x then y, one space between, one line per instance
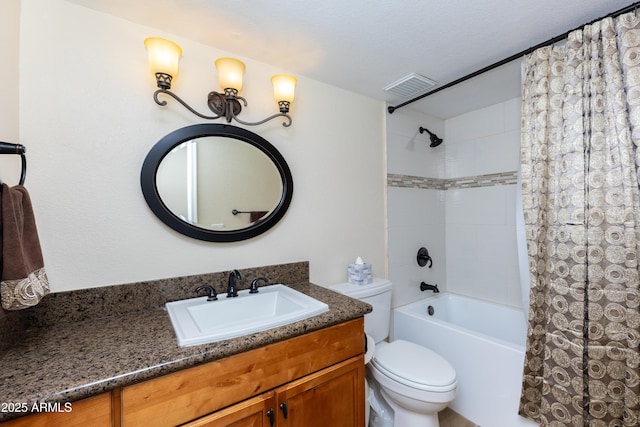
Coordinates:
218 183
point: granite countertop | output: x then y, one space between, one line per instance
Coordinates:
74 360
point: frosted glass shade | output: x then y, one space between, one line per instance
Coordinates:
284 86
230 73
164 55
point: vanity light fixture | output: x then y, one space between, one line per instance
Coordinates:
164 58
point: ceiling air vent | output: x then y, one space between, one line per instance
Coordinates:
410 85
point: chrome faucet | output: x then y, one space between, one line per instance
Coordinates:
428 287
232 290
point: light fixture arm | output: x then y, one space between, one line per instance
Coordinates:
184 104
227 104
285 124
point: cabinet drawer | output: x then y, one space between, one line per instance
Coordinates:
191 393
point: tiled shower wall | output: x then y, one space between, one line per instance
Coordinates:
480 222
415 212
458 200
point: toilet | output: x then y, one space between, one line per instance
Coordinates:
414 381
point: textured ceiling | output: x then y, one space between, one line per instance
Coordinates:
365 45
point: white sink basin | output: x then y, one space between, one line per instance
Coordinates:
198 321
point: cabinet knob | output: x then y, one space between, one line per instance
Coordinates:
271 416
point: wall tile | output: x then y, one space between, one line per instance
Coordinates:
510 204
512 114
460 250
476 124
476 261
461 159
485 205
481 249
497 153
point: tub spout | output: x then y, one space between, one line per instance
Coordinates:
428 287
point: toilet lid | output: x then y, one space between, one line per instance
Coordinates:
414 364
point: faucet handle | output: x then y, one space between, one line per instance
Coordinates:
254 284
423 257
211 292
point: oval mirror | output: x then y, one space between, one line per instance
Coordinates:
215 182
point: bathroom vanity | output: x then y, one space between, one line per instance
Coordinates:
127 370
313 379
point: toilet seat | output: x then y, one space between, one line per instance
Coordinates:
414 366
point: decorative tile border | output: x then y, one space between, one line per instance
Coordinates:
397 180
488 180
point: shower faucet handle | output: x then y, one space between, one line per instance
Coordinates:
424 257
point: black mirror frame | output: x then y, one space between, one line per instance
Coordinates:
177 137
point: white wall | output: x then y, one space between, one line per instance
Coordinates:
9 75
480 222
88 119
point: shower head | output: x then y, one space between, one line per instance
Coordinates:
435 141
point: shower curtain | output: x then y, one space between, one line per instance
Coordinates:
581 202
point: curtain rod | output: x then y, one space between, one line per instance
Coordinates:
552 40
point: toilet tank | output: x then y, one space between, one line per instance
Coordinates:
378 295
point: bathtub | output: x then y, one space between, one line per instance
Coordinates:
485 344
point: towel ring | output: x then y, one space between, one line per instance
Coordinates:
9 148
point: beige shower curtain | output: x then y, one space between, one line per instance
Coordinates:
581 199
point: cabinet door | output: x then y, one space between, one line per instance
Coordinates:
331 397
254 412
93 411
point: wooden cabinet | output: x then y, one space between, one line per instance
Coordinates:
93 411
187 395
318 378
255 412
331 397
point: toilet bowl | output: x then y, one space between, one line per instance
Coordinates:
416 382
413 380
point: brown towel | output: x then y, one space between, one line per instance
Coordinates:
24 281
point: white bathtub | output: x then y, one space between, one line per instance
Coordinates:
485 344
